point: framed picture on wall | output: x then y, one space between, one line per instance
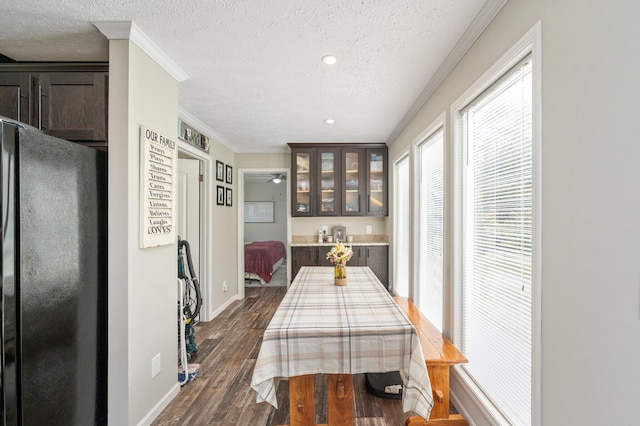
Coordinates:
258 211
229 196
220 195
229 174
219 171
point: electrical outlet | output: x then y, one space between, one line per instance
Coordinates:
324 229
224 285
156 366
369 229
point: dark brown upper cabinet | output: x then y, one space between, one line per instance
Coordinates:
73 105
353 196
15 96
329 181
377 198
303 182
68 101
339 179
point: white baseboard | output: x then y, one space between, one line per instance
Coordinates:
224 306
161 405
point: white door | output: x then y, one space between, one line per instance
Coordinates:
189 207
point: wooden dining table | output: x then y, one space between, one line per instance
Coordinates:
321 328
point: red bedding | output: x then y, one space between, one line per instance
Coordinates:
260 256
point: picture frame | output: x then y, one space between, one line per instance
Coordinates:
229 174
258 211
219 171
229 197
220 195
340 234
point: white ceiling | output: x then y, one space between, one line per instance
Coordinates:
255 76
262 177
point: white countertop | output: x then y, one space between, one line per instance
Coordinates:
332 244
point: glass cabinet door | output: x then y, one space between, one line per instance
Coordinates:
377 183
329 176
353 172
302 183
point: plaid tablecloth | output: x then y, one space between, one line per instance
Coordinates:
358 328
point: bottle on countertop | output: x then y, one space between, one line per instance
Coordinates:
320 236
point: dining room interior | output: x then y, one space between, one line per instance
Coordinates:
476 157
228 348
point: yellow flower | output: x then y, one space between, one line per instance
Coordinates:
339 253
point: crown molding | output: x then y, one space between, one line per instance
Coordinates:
127 30
479 24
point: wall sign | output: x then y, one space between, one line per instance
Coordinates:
192 136
158 164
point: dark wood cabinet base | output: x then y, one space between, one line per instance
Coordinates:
375 257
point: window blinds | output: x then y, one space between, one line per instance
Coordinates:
497 239
431 228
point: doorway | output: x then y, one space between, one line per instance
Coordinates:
189 207
259 185
192 223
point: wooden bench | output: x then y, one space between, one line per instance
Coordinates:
440 355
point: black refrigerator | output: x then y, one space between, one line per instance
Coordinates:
54 280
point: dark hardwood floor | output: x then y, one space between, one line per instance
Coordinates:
227 350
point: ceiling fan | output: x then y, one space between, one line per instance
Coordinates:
277 178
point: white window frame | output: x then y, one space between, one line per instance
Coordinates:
530 43
438 124
405 154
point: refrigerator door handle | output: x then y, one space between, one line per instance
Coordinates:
19 95
40 107
40 96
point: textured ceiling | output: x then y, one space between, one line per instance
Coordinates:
255 75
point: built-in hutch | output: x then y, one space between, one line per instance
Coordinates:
339 180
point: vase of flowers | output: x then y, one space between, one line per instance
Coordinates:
339 255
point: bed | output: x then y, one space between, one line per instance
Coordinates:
262 259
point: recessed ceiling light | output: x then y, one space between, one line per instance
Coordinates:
329 59
330 121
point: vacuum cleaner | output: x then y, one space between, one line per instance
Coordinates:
188 309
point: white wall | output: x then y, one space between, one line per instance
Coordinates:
118 251
224 259
264 161
269 231
142 282
590 198
356 225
